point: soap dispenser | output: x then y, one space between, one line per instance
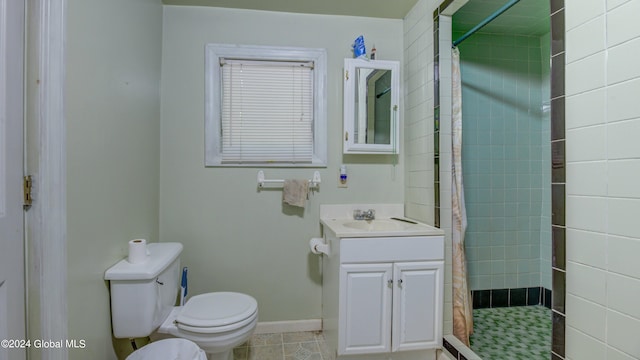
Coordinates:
343 176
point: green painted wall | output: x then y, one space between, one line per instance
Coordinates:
236 237
113 53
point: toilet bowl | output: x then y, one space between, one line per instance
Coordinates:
143 296
217 322
175 349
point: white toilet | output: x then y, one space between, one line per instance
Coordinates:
143 298
174 349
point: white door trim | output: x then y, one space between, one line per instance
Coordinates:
46 220
12 260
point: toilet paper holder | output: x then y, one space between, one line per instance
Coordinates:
318 246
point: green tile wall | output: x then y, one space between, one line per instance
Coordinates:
506 160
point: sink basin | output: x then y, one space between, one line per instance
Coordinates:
378 225
337 220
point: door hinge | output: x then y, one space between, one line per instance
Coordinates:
26 188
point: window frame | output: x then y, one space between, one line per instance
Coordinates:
213 140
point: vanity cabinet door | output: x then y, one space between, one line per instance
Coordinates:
365 308
417 305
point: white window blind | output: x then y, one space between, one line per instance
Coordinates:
266 111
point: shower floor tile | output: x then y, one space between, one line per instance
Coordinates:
512 333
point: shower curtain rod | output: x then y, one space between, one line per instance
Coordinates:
484 22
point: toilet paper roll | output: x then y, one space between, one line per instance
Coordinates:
138 251
318 246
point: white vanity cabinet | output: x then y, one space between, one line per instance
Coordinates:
389 306
389 293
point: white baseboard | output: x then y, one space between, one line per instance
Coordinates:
269 327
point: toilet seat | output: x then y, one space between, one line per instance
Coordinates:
217 312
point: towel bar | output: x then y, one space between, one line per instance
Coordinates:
313 183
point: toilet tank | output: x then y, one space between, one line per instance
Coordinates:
142 295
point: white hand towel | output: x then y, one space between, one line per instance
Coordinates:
295 192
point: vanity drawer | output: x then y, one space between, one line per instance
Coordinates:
380 249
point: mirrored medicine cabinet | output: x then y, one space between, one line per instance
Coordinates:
371 106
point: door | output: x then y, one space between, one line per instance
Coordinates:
417 305
12 281
364 309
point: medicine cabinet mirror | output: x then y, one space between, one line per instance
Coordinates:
371 112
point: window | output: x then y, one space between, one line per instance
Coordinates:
265 106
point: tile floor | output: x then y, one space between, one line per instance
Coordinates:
286 346
512 333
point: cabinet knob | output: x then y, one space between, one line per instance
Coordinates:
390 282
400 282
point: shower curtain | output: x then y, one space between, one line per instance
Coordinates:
462 311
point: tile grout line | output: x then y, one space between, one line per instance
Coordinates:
318 346
282 344
311 343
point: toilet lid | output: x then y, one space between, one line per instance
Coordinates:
217 309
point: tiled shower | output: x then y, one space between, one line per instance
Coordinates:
506 90
554 110
506 165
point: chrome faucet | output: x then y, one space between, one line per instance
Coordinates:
364 214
